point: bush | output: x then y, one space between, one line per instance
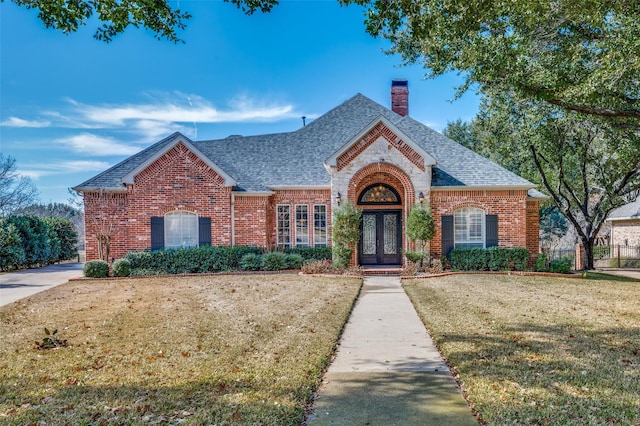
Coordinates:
294 261
251 262
318 267
121 268
541 262
274 261
341 256
96 269
11 251
414 256
561 266
494 259
310 253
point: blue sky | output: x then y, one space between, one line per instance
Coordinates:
72 106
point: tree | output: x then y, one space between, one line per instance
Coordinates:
16 191
346 233
578 56
116 16
587 164
420 227
71 212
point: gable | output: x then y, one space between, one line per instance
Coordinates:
183 148
380 128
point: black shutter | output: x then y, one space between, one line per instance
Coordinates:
157 233
492 230
204 231
447 235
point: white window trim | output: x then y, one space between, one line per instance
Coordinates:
468 242
326 226
308 243
278 243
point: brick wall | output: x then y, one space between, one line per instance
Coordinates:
511 206
178 180
625 232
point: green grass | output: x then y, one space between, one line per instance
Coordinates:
538 350
180 350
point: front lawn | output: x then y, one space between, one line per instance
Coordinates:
179 350
538 350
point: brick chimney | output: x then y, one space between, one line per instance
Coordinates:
400 96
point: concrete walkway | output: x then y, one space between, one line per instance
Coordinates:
387 370
18 285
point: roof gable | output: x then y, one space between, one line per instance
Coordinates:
180 139
380 127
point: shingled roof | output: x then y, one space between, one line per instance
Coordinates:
295 159
626 212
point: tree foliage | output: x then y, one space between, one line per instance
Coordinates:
587 164
420 225
16 191
115 16
579 56
346 233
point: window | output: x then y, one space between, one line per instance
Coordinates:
284 226
468 225
379 194
302 226
320 226
180 229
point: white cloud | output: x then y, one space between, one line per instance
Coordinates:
182 108
64 167
19 122
88 143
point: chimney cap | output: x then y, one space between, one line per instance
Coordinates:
399 82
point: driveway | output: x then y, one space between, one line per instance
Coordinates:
18 285
631 273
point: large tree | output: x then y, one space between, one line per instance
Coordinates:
115 16
586 164
16 191
579 56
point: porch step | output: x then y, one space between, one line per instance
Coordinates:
382 270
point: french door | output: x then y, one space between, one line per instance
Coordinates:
381 238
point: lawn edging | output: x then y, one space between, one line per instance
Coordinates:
520 273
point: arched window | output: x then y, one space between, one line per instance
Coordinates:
469 227
180 229
379 194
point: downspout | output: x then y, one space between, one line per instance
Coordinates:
233 219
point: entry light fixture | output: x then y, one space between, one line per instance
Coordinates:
421 198
338 198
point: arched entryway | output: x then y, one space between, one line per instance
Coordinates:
381 228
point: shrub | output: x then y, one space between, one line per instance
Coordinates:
251 262
318 267
414 256
541 262
121 268
96 269
561 266
274 261
494 258
310 253
410 270
294 261
341 256
142 272
11 251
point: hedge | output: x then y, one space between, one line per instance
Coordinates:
221 258
491 259
31 241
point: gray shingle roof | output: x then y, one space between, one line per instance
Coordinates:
296 158
628 211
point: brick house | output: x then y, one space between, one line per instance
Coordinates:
625 225
280 189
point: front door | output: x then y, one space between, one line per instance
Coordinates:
381 238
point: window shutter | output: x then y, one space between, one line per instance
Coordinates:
492 230
204 231
447 235
157 233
